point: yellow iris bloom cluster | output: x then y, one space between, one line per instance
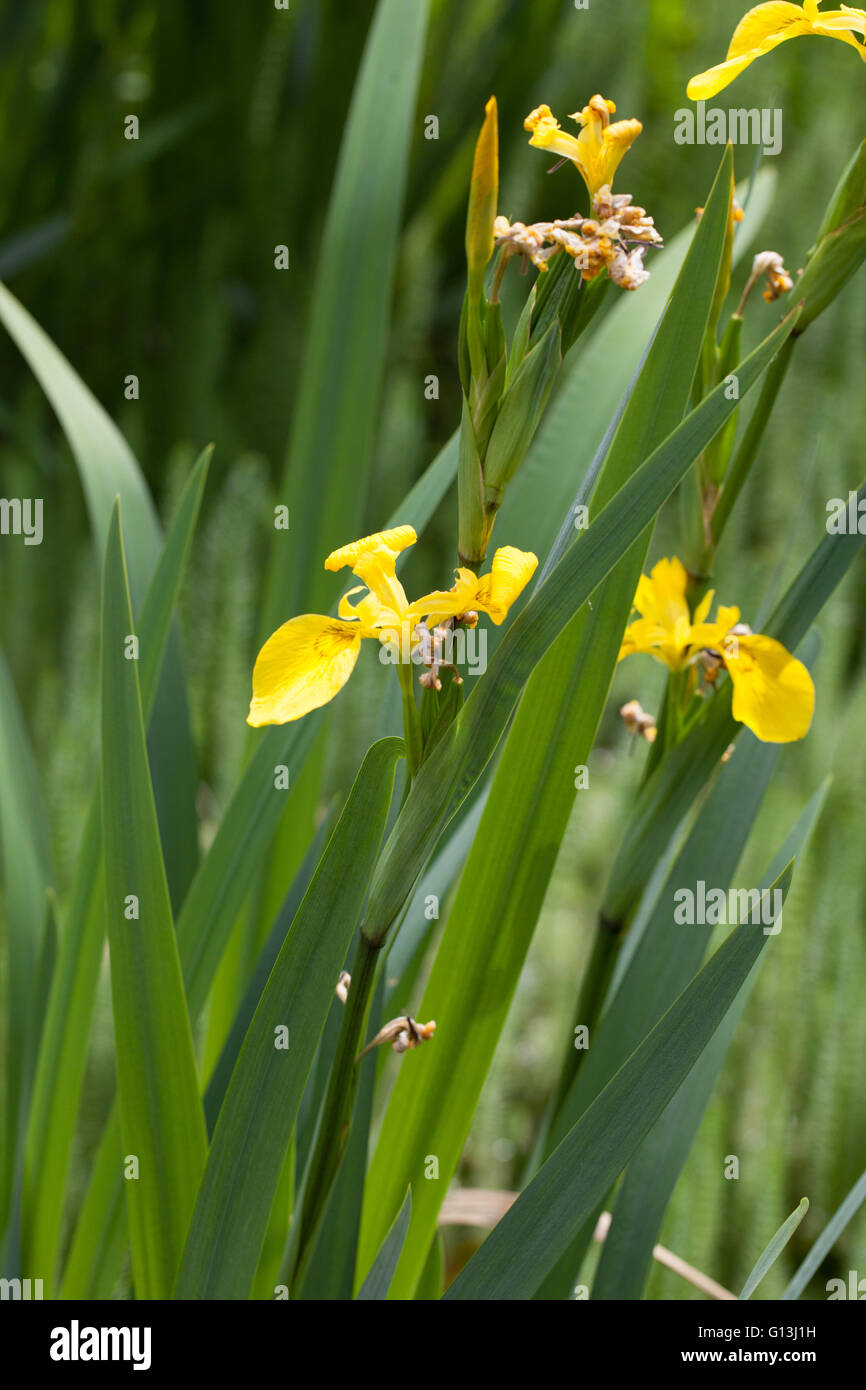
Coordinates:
773 694
308 660
596 152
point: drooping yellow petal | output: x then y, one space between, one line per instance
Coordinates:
773 692
509 575
757 33
768 25
302 666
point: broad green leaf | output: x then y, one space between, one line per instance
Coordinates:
258 1113
236 853
101 1233
827 1239
162 1122
108 470
67 1018
770 1255
337 407
378 1281
539 1227
219 1078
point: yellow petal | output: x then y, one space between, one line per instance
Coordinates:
645 637
704 607
763 26
509 574
395 540
661 595
536 117
374 559
727 616
757 33
548 135
616 141
602 145
837 24
598 149
773 692
302 666
448 603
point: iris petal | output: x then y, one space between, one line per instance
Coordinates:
510 572
773 692
301 667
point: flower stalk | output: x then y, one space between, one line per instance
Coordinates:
336 1117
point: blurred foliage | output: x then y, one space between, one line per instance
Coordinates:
156 257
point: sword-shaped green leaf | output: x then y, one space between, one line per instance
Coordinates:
162 1122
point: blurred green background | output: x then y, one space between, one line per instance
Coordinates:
155 257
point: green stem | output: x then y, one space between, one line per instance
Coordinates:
336 1117
411 717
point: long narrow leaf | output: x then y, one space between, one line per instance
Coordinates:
378 1281
108 470
770 1255
347 338
63 1051
161 1115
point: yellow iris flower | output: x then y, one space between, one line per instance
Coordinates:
765 26
309 659
597 150
773 693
